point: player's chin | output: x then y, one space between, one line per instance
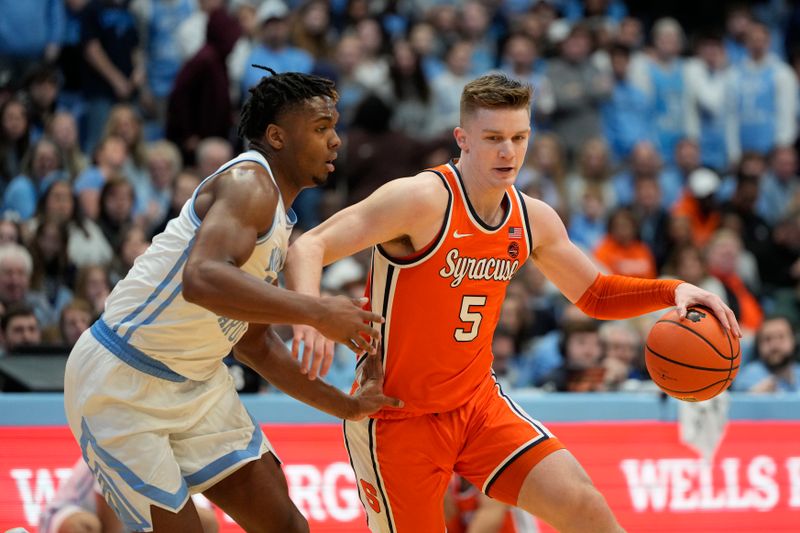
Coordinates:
320 179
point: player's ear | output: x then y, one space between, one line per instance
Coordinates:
461 138
275 136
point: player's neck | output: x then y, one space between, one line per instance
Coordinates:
286 186
485 196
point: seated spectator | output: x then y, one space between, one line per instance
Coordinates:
688 263
15 139
16 267
212 153
42 165
93 285
164 163
109 160
504 350
776 368
621 251
19 328
467 509
116 209
10 230
652 217
593 169
76 317
133 243
723 255
623 356
588 225
581 368
87 244
698 205
182 189
53 272
63 129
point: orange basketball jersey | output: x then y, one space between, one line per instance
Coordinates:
442 305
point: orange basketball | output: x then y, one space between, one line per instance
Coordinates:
693 358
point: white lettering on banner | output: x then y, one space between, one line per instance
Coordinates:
688 484
34 499
793 471
319 494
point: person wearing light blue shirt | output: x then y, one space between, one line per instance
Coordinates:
776 368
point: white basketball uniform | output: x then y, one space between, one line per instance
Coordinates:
146 393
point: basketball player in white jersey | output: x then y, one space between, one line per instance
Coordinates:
146 393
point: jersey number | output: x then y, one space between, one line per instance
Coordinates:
471 317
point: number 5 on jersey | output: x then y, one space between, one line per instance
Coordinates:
470 316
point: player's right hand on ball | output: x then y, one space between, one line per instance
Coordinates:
369 396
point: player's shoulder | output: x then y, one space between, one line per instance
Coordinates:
426 185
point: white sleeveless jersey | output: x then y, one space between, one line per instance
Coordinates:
146 310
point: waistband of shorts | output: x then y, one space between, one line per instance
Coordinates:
131 355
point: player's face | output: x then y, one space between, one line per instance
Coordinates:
312 133
494 142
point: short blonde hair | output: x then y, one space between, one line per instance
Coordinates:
495 91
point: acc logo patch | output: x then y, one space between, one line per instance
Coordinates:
513 250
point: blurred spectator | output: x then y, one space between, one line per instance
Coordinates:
448 85
652 218
521 62
273 48
737 26
16 267
113 70
125 121
109 160
593 170
504 352
374 153
623 356
688 264
52 271
544 172
754 230
474 28
158 25
191 35
779 189
587 224
782 270
182 189
698 206
622 251
351 91
133 243
373 69
163 164
202 83
776 369
311 30
71 62
764 99
14 139
30 32
116 211
581 369
723 255
665 84
92 284
76 317
87 244
675 177
10 230
644 161
212 153
628 114
707 92
410 95
63 129
20 328
42 165
580 89
42 92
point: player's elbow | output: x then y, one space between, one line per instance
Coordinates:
195 284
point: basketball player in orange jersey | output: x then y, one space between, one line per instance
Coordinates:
446 243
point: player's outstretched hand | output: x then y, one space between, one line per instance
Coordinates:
343 321
369 396
687 295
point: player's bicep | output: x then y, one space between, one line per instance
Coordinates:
555 255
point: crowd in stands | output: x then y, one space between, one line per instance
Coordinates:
670 148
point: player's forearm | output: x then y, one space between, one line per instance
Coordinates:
275 363
619 297
227 291
303 268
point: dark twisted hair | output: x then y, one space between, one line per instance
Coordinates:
277 93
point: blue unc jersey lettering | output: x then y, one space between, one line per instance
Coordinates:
146 311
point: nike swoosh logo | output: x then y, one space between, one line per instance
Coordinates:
457 235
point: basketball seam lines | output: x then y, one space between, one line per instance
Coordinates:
728 370
731 358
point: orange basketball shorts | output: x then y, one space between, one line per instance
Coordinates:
403 466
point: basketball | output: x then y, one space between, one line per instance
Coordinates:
693 358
